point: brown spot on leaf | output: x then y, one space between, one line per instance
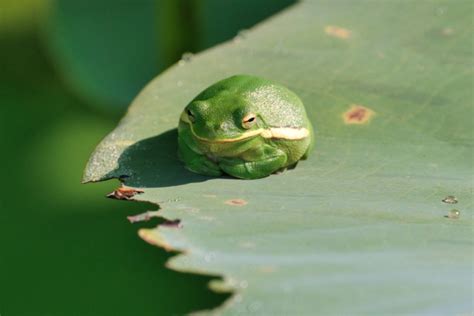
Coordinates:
236 202
357 114
337 31
124 193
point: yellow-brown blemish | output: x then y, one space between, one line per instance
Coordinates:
357 114
236 202
152 237
447 31
337 31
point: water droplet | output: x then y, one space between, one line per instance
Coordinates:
241 35
238 298
244 284
185 58
454 214
440 11
450 199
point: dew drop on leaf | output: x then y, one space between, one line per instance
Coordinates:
454 214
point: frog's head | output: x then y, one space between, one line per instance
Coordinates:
224 118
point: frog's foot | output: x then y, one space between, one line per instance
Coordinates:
204 166
252 169
197 162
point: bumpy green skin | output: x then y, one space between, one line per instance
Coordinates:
212 139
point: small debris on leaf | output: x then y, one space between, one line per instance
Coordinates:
450 199
124 193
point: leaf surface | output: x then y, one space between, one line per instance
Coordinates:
359 227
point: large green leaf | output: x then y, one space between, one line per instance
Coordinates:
105 49
360 226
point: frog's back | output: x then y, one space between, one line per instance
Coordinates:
276 105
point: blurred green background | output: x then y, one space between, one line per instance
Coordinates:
68 70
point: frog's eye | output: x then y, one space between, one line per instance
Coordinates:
249 120
190 115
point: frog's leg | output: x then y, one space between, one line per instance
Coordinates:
257 163
196 162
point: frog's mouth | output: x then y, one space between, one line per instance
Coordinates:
243 136
288 133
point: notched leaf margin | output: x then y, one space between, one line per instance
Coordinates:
219 284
